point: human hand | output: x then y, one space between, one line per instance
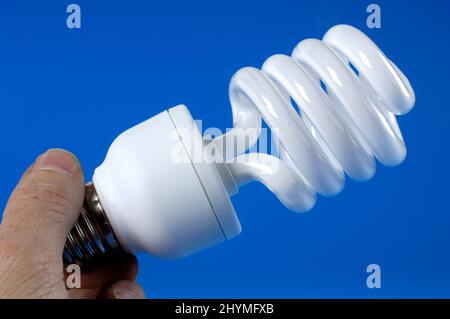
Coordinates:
37 219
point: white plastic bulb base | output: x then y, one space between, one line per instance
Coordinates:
159 200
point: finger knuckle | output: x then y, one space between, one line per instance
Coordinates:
52 198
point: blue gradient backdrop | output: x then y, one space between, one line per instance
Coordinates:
78 89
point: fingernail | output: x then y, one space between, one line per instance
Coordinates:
58 160
121 293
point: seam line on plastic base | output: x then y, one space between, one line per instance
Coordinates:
198 176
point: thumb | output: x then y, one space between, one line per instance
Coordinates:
45 204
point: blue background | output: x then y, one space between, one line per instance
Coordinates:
78 89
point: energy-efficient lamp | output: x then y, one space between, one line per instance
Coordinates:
152 194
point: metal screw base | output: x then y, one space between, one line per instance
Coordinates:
92 236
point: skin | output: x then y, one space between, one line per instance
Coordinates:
40 213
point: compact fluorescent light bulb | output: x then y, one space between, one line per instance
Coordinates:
152 193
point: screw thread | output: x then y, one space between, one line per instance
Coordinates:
92 236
